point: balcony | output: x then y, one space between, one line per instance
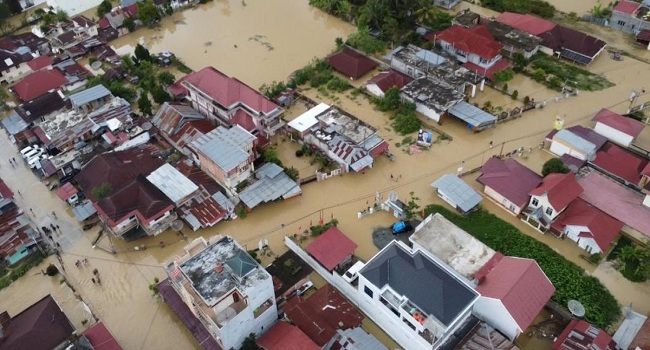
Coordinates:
160 226
275 126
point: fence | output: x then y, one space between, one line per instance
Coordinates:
601 21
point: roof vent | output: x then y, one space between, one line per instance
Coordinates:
219 268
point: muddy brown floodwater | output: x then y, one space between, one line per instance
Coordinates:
273 39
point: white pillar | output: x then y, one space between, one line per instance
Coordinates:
473 90
482 84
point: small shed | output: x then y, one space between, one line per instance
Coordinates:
332 249
351 63
617 128
643 38
567 142
67 193
457 193
476 118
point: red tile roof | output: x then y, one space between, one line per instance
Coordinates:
644 35
476 40
228 91
389 79
646 170
501 64
604 228
139 197
100 338
66 191
318 321
284 336
39 83
5 191
520 285
510 179
42 326
620 162
351 63
40 62
628 7
561 189
580 335
561 37
191 131
331 247
244 120
527 23
104 23
132 10
379 149
623 124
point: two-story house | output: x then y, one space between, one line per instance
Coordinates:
85 25
90 99
550 198
229 101
226 155
180 125
474 47
630 16
228 292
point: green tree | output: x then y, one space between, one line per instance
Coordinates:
520 61
271 155
554 165
373 14
142 54
104 8
412 207
5 13
144 105
292 173
129 23
391 100
249 343
166 78
503 76
159 94
102 190
119 90
61 16
148 12
14 6
365 42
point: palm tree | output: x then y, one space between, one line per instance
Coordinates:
426 14
373 14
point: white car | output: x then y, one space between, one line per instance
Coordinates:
27 150
353 272
35 162
33 153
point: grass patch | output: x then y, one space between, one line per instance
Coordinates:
569 279
21 269
555 73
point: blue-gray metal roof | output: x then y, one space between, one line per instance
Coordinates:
225 147
269 188
89 95
465 197
14 123
576 141
84 211
473 115
427 285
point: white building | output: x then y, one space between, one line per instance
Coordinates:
617 128
73 7
550 198
226 289
432 97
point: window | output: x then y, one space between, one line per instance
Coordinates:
408 323
549 211
368 291
621 23
535 202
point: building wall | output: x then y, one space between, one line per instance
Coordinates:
494 313
615 135
15 73
504 202
426 111
375 90
444 197
560 148
586 243
545 204
468 57
627 23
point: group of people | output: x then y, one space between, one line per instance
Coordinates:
12 162
84 262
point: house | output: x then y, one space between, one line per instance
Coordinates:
84 24
354 339
641 339
100 338
285 336
41 62
620 163
225 289
417 63
39 83
68 193
457 193
225 154
228 101
514 40
322 313
271 183
433 98
416 300
550 198
90 99
628 206
643 38
38 109
18 239
42 326
289 274
13 66
180 125
304 123
178 188
385 81
332 249
576 141
593 230
617 128
582 335
513 292
630 17
508 183
484 337
475 46
527 23
350 63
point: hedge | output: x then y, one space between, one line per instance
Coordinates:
569 279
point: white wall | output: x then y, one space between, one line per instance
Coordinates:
73 7
446 199
559 148
617 136
544 203
427 112
375 90
495 314
504 202
586 243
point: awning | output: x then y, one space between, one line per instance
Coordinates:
84 211
66 191
472 115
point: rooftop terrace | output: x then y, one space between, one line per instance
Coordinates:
346 125
433 93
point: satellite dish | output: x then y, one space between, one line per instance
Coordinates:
177 225
226 315
146 126
576 308
96 65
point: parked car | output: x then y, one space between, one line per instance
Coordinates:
27 150
33 152
353 272
35 162
401 227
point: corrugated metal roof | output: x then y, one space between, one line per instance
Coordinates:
84 211
472 114
14 123
308 119
225 147
576 142
172 183
89 95
458 191
267 189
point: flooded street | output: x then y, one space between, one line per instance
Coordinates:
580 7
270 48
